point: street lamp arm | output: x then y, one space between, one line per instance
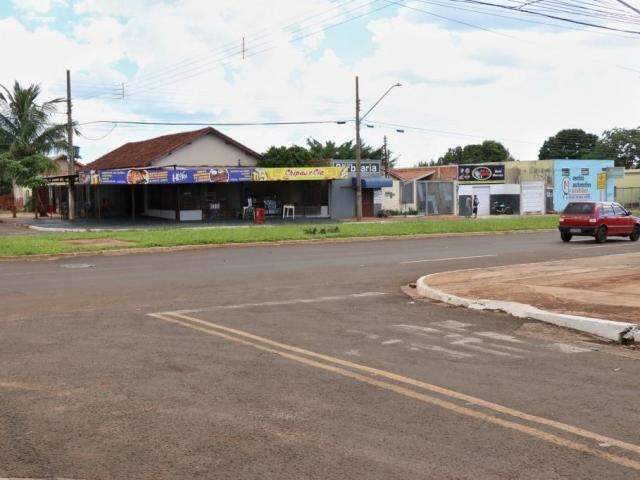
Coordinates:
380 99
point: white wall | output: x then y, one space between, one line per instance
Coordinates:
207 151
496 188
391 196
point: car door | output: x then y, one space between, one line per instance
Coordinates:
609 218
625 222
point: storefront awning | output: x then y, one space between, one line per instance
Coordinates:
374 182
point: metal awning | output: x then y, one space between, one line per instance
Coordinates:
373 182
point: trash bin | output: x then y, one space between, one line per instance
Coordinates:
258 216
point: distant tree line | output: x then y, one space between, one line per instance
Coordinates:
619 144
317 153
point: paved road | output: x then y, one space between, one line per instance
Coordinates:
302 361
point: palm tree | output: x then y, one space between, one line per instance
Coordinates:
27 135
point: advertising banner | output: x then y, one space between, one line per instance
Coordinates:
481 173
580 181
298 173
159 176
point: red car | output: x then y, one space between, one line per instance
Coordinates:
599 220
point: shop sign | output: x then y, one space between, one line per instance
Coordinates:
366 167
576 188
602 180
481 173
298 173
159 176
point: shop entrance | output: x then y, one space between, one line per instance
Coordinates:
484 197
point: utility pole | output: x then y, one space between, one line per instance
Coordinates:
358 156
385 158
359 144
70 153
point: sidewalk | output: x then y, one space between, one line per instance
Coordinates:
603 287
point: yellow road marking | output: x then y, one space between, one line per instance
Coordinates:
548 437
426 386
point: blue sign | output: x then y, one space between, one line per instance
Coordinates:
577 181
160 176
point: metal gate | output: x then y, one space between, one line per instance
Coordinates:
436 198
532 198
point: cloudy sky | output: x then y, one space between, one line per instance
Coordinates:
466 75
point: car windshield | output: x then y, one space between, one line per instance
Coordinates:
579 208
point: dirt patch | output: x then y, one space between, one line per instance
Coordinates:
600 287
101 242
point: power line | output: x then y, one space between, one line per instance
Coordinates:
234 45
397 126
254 50
548 15
518 18
216 124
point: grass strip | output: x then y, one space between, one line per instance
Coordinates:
56 243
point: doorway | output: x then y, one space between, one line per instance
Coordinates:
484 197
367 202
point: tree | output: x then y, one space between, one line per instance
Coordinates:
317 153
27 135
571 143
344 151
621 145
487 151
294 156
452 157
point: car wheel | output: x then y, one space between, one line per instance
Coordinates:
636 234
601 235
566 236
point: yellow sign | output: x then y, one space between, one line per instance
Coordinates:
602 181
298 173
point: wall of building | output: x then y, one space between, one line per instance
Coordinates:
342 199
631 179
391 196
208 151
628 189
534 171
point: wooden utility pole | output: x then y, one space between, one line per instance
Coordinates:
70 154
358 156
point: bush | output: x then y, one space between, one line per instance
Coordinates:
321 231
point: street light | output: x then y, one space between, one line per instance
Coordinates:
359 144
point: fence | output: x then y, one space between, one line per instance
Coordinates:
629 197
6 202
436 198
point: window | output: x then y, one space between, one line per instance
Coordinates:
566 172
606 211
407 192
584 171
579 208
618 210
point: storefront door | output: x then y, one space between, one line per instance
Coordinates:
367 202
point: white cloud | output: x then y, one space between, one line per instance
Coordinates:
464 81
36 6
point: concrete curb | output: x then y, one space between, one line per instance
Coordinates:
608 329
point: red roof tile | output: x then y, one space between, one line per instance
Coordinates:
142 154
407 174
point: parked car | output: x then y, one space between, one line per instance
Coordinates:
599 220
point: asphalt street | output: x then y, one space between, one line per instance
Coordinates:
303 361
